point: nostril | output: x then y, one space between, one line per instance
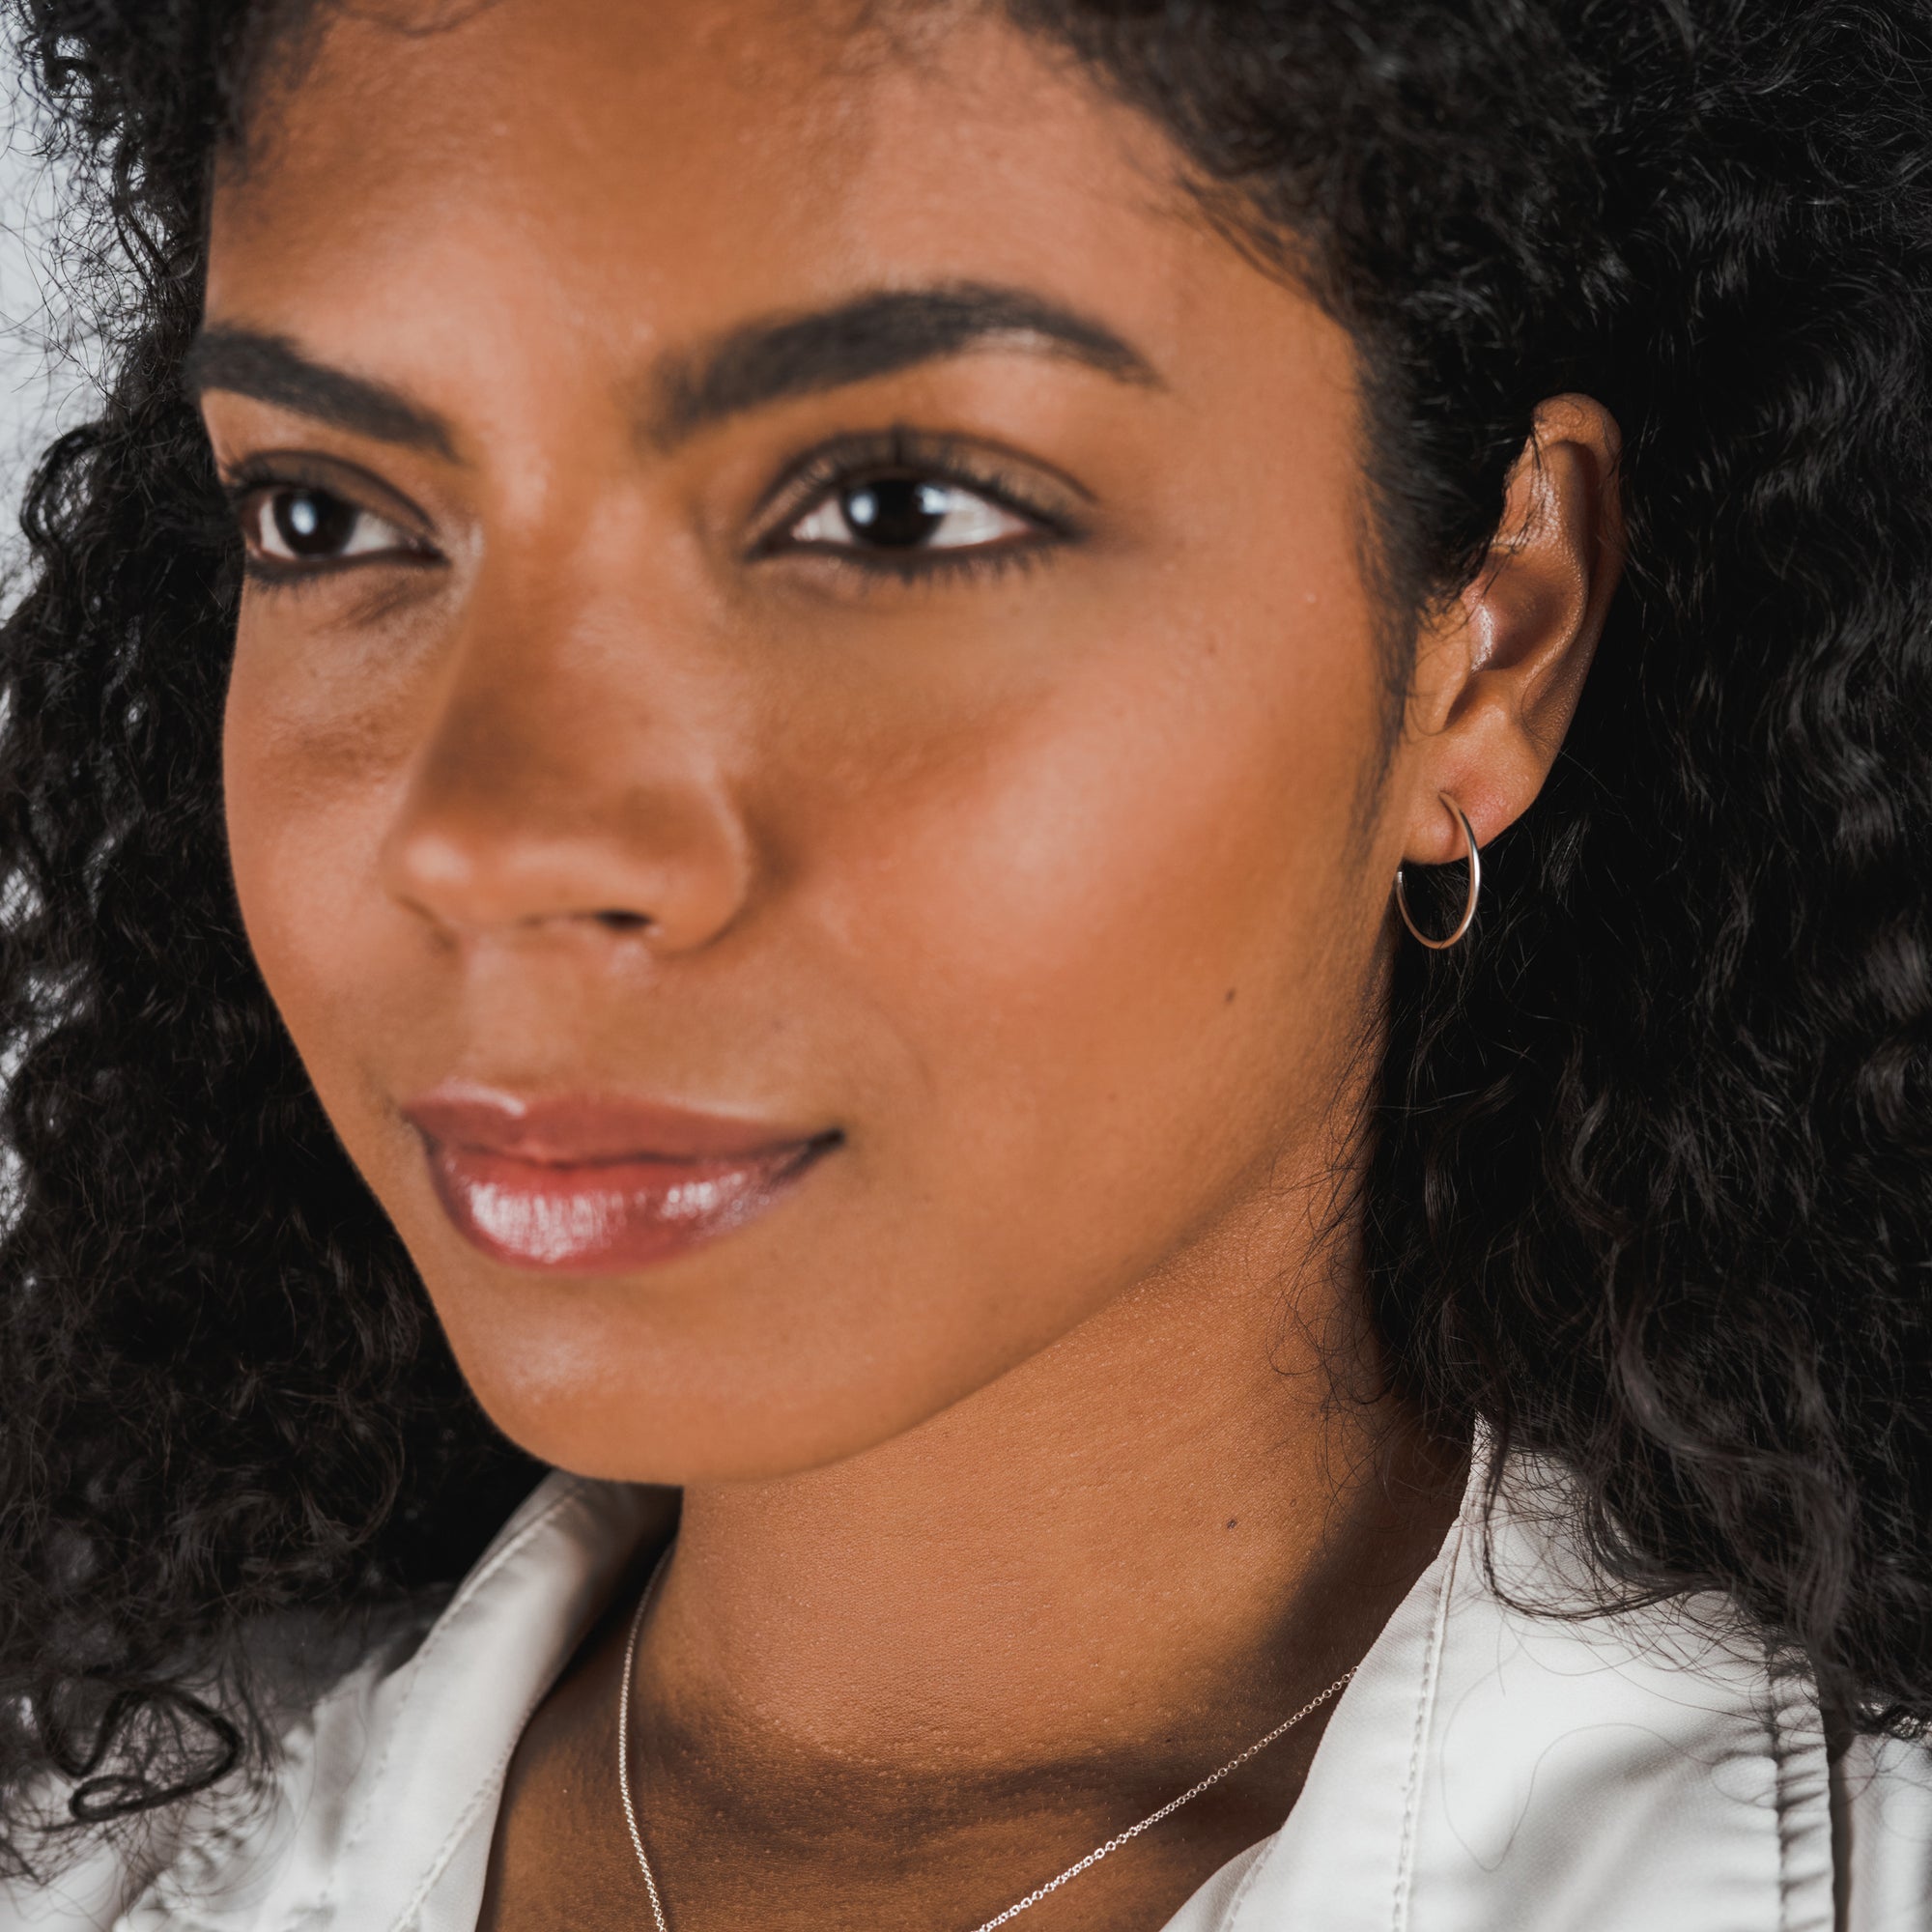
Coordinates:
622 921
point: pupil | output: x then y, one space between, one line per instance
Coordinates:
312 524
895 512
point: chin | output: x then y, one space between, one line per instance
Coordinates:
603 1391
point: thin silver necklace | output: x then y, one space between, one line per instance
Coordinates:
1013 1911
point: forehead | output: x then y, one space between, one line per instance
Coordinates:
632 162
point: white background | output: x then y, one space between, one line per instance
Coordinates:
44 383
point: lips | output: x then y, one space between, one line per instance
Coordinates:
583 1185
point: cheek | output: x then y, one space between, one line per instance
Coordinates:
307 785
1129 934
264 804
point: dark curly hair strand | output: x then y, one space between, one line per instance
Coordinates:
1649 1189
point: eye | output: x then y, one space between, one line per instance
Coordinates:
907 503
907 513
296 523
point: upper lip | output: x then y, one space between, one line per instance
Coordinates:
583 1129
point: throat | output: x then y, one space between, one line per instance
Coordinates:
912 1687
1059 1577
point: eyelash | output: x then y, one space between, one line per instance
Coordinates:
815 481
263 477
907 454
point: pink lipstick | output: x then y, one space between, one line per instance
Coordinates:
585 1184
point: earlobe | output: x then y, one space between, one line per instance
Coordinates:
1499 673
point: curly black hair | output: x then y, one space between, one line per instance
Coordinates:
1651 1181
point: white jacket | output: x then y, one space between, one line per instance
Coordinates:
1487 1770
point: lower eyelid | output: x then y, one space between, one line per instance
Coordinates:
863 570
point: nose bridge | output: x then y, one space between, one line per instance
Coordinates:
573 767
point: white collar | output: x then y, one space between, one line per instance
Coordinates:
1492 1768
1487 1767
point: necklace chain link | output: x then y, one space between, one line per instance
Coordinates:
1013 1911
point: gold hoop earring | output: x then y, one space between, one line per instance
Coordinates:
1469 918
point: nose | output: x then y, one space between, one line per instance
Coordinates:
570 784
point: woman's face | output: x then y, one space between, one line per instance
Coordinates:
804 757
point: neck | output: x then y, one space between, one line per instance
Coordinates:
1147 1543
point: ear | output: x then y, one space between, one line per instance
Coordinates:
1499 671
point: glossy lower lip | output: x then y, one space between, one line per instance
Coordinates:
581 1186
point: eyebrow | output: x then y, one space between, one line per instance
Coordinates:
271 369
873 335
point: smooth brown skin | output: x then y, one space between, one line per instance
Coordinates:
1017 1493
